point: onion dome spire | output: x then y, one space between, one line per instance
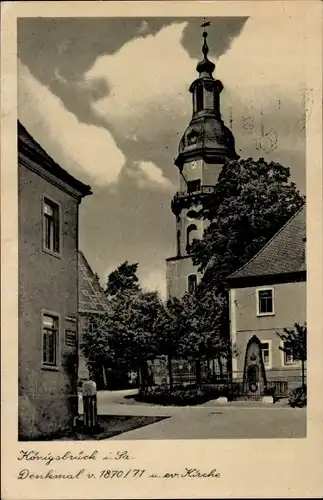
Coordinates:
205 66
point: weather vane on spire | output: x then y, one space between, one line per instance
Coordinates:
205 48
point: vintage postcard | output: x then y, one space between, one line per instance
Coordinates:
161 168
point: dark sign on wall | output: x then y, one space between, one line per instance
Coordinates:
70 338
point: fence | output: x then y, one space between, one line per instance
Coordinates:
184 372
278 383
240 389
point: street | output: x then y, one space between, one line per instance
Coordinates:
240 420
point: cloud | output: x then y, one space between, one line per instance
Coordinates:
268 54
263 74
148 80
84 149
148 176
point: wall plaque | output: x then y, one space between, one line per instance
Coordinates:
70 338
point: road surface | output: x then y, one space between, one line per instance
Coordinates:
242 420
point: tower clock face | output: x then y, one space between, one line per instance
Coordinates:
192 166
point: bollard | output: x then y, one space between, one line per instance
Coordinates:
90 414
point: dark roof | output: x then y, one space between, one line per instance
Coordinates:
30 148
283 254
91 294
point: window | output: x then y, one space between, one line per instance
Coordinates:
50 338
192 283
266 353
199 98
194 186
265 299
191 138
192 214
51 226
178 240
190 234
288 353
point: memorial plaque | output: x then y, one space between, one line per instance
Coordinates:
70 338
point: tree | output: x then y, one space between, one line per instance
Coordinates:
201 317
140 321
123 279
95 346
251 202
295 342
169 330
189 327
124 338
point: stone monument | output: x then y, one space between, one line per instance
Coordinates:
254 375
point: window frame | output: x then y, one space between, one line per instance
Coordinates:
190 228
56 316
295 362
265 289
50 201
188 283
269 342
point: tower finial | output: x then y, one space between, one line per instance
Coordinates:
205 66
205 48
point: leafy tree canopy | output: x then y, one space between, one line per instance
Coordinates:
296 340
202 318
170 327
123 279
251 202
125 335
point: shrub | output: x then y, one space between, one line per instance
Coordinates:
234 390
269 391
180 396
297 397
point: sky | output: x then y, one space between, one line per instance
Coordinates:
108 99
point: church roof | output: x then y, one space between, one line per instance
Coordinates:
91 295
31 149
283 254
207 134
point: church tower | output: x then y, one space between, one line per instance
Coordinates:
206 145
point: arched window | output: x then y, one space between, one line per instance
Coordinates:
191 283
192 214
178 234
199 98
190 235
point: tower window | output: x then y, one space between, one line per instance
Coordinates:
193 186
199 98
191 137
178 234
191 283
192 214
190 235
